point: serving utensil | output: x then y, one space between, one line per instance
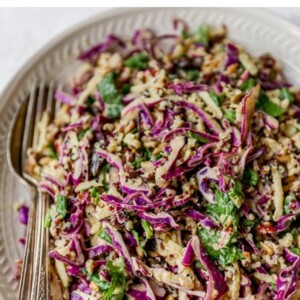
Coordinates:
15 163
24 134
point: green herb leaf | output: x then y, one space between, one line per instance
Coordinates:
105 236
114 110
203 35
158 156
110 96
108 90
185 34
126 88
225 207
52 150
136 236
286 94
236 194
147 154
215 97
89 104
237 189
102 284
105 168
296 251
81 133
61 205
118 281
230 255
249 223
268 106
102 175
192 74
230 115
90 101
273 285
147 228
137 61
115 270
295 232
291 198
138 240
137 163
134 131
251 177
197 137
248 84
95 193
199 265
226 255
47 219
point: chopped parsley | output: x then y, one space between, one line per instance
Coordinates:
291 198
286 94
82 133
52 151
61 205
47 223
251 177
117 286
110 96
89 104
225 208
95 193
197 137
226 255
230 115
217 99
137 163
147 228
203 34
103 285
126 88
269 107
192 74
137 61
248 84
105 236
296 251
146 156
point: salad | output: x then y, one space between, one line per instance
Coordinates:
173 164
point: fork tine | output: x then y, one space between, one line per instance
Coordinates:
39 113
50 107
28 127
58 104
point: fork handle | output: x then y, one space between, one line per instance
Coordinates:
40 284
27 268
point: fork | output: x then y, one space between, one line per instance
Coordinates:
34 283
14 153
40 286
45 104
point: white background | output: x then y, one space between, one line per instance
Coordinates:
25 30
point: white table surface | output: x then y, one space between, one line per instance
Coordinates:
25 30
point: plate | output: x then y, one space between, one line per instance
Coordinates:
257 30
